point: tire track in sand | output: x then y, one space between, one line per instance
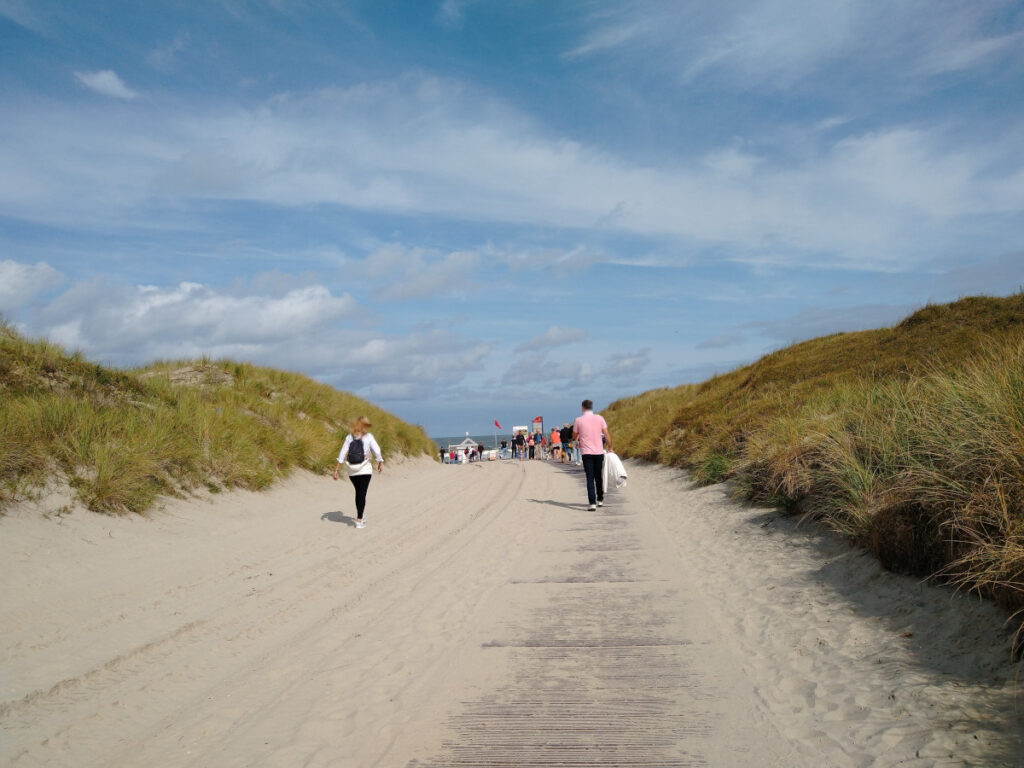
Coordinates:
88 713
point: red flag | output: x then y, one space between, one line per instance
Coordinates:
497 424
539 418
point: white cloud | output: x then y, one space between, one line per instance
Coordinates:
774 44
625 366
411 273
413 366
107 83
581 374
821 321
732 162
304 328
722 340
777 42
452 13
165 57
554 336
903 167
535 375
21 14
22 283
965 51
561 261
992 276
770 43
420 146
143 322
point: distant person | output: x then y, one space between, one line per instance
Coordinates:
556 444
355 455
520 445
566 434
504 449
442 455
531 447
588 431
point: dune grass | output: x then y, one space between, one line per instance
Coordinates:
121 438
909 439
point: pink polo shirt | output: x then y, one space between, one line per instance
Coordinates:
589 427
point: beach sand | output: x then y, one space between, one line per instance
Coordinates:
484 618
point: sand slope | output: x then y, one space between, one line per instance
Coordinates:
483 617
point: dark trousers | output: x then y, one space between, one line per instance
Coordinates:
593 466
361 482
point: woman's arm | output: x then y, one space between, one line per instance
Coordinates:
342 454
376 452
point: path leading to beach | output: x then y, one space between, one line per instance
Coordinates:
483 618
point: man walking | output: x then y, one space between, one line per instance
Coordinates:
586 433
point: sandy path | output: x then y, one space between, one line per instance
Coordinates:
483 618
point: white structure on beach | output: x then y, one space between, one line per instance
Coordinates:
460 450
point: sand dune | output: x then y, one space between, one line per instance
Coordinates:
484 618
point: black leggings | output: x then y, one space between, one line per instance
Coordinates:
361 482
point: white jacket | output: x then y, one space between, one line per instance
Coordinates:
614 470
369 447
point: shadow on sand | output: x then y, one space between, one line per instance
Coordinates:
339 517
942 628
564 505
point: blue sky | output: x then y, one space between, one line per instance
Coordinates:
469 210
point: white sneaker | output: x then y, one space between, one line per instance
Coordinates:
592 507
360 524
600 503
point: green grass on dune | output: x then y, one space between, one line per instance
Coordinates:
908 439
120 438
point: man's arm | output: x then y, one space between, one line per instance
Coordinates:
608 438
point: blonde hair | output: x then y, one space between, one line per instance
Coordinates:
361 425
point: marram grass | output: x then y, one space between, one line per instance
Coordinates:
121 438
909 440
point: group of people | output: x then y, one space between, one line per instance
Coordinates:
558 446
565 448
585 442
453 456
525 446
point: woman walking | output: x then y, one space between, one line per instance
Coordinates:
355 455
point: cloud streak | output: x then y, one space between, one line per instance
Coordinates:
778 44
20 284
402 273
106 82
554 336
424 146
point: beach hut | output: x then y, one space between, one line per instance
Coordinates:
460 448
